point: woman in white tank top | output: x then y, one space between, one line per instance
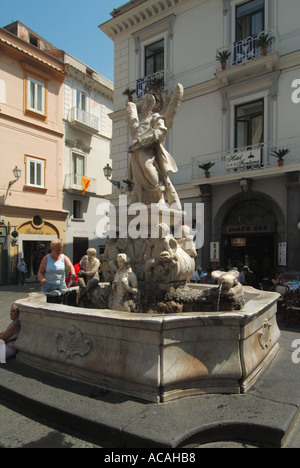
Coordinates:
52 269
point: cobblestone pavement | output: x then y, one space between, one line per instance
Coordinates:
19 429
22 431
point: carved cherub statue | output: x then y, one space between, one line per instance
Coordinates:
229 282
186 241
108 259
124 286
164 255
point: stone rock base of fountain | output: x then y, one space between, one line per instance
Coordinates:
150 356
154 300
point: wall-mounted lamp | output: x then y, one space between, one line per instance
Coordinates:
17 174
298 225
107 170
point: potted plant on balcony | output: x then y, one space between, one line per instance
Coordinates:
264 41
206 167
157 82
222 57
279 154
129 93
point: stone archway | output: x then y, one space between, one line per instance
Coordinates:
38 228
250 227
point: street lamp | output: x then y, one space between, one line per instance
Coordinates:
107 170
17 174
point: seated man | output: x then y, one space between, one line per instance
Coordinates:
10 335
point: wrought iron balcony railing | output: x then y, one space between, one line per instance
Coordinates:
246 50
158 79
255 159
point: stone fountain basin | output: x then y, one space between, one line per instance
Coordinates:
153 357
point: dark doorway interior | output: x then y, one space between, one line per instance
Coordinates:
80 246
34 251
255 251
250 237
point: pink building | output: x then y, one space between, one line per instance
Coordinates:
31 140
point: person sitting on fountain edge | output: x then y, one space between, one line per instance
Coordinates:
10 335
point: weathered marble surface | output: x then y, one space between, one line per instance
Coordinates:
151 356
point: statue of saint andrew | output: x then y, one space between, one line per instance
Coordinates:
150 162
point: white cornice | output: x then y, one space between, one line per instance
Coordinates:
137 16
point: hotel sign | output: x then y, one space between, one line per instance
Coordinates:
243 159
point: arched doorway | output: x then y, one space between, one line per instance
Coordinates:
249 231
35 237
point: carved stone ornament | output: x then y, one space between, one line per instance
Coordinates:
264 335
73 342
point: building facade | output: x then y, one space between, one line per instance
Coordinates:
88 101
55 140
31 138
234 117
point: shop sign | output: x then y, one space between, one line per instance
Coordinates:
249 229
3 231
282 254
243 159
215 252
239 242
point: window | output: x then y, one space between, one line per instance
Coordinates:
154 57
77 209
250 19
37 221
33 40
78 168
81 100
80 246
36 96
249 124
35 92
35 172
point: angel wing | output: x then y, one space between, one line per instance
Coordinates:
132 118
174 105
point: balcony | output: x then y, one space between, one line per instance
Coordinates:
246 58
251 161
73 184
83 120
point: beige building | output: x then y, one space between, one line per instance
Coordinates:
31 141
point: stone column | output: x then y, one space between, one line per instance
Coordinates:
293 218
206 198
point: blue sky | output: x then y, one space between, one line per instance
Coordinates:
70 25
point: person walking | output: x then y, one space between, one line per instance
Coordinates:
22 270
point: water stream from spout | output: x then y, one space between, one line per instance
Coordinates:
219 296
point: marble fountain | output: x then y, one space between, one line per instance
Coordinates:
147 332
